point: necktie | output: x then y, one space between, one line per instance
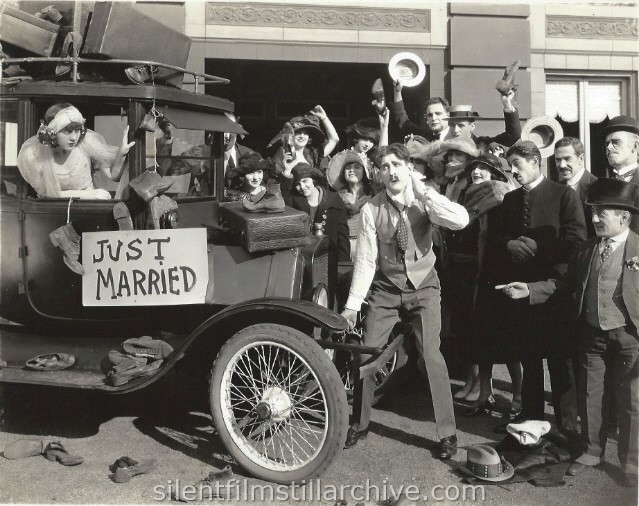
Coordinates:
402 229
624 177
607 251
231 164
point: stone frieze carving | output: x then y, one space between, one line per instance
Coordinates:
591 28
303 16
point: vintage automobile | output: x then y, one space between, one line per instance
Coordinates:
276 399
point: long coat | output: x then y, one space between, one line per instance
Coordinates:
555 220
582 192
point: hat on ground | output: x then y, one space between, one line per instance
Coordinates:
462 112
528 432
483 462
492 163
367 128
336 168
624 123
615 194
302 170
306 122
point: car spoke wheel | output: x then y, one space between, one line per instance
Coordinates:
278 403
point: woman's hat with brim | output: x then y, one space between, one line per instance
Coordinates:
462 144
416 145
484 463
302 170
461 113
307 122
623 123
490 162
367 128
615 194
336 168
252 162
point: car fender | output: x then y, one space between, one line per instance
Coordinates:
309 312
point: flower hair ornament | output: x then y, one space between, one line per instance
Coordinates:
633 263
63 118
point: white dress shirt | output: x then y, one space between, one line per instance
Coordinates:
614 241
440 210
534 184
573 182
623 171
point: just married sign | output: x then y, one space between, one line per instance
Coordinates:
144 267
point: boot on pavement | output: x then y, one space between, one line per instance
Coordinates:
68 240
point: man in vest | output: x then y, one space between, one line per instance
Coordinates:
622 151
395 260
603 276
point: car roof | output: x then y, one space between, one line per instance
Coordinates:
167 95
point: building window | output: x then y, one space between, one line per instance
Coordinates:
585 104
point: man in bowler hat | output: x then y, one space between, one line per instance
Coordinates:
622 151
603 277
395 260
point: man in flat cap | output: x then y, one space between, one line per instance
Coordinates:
603 277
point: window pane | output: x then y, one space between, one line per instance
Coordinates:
562 99
603 99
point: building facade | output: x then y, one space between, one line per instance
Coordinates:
579 61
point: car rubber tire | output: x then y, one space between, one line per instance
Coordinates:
311 399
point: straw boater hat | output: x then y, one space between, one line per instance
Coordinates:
544 132
336 167
615 194
462 112
483 462
367 128
625 123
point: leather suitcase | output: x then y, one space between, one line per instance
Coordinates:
266 231
26 32
120 31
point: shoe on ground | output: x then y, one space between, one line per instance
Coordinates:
56 452
447 448
217 485
23 448
124 474
577 468
353 436
50 362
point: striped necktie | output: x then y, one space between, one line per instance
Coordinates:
402 229
607 251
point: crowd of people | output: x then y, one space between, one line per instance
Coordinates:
446 218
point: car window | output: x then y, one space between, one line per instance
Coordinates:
186 157
109 120
8 146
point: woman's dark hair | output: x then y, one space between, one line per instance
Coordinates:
50 140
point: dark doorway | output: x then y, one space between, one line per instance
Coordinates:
269 93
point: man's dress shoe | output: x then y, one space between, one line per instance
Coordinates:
353 436
447 448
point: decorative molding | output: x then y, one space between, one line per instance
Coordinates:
303 16
574 27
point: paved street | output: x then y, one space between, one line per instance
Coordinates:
175 429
